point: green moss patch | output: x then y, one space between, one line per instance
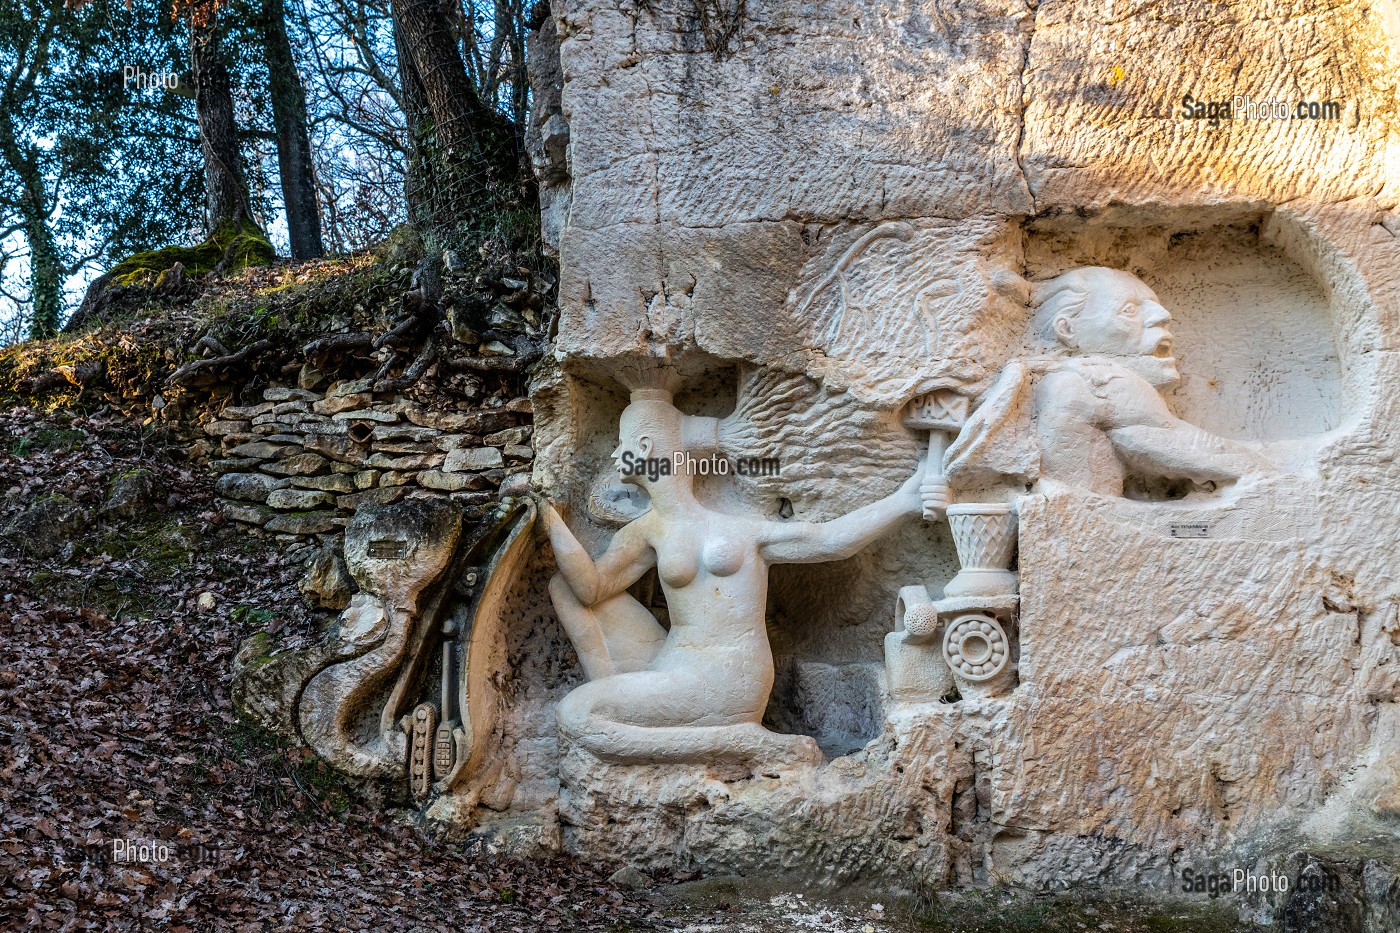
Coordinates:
232 247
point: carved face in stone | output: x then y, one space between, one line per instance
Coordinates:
1097 311
649 434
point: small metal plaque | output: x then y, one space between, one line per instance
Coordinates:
388 549
1190 530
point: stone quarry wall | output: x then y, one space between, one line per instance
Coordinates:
844 204
300 463
817 218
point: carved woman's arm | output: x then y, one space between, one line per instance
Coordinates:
626 559
813 542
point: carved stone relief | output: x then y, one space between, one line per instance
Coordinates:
1066 569
695 692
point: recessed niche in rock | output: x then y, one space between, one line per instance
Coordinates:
1255 337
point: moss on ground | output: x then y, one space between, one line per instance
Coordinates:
1005 911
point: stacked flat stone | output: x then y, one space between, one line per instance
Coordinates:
300 463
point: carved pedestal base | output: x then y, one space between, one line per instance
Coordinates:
967 644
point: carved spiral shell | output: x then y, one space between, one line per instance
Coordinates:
976 647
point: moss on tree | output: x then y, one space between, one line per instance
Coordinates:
230 249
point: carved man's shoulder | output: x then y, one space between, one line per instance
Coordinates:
1064 392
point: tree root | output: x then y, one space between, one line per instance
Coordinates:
414 372
61 376
209 369
320 350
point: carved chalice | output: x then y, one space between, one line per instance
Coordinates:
985 536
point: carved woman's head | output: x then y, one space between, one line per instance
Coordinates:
649 435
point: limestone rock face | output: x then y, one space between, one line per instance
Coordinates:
811 216
1109 381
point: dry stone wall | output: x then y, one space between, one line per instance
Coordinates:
301 463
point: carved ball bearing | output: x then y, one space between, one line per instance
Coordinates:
976 647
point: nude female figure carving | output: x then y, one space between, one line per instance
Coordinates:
698 692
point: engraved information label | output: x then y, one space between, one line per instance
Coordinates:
389 550
1190 530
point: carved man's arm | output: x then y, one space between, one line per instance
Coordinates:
1180 450
813 542
1150 439
626 559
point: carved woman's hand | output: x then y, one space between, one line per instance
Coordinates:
915 492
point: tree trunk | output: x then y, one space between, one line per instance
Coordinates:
227 192
31 202
469 146
294 164
45 278
418 175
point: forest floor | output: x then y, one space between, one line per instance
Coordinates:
123 597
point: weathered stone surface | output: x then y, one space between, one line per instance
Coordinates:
351 387
409 462
248 513
367 479
264 450
475 422
220 428
300 499
233 465
404 447
327 583
508 437
448 442
403 432
325 427
449 482
337 447
249 487
304 523
283 394
334 482
130 494
471 459
303 464
518 452
334 404
383 495
367 414
46 526
244 413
